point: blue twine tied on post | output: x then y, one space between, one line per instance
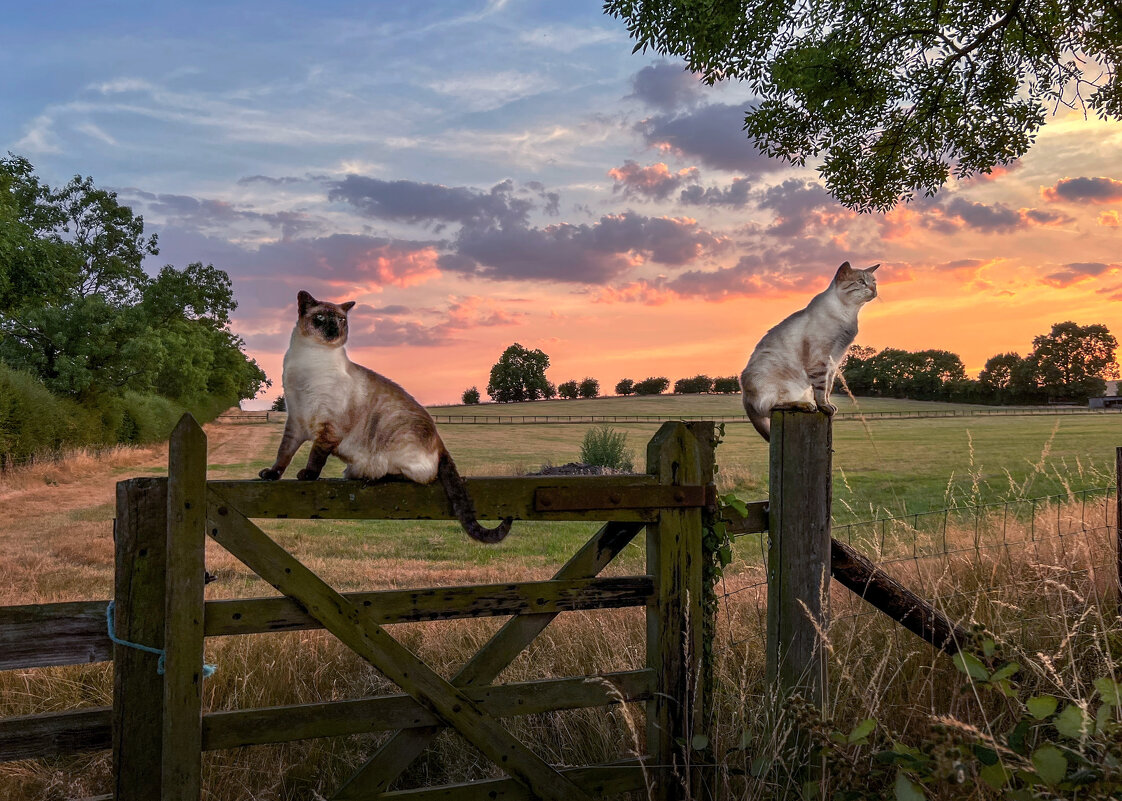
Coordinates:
208 670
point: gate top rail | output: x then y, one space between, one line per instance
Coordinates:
622 498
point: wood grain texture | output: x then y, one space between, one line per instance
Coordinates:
46 635
343 619
856 572
798 552
183 614
397 753
257 615
388 713
597 781
495 498
56 733
138 690
675 622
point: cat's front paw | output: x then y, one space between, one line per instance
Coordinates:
828 408
269 474
307 475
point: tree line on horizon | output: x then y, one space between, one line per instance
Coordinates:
93 350
1070 363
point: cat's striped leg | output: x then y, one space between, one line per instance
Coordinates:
821 380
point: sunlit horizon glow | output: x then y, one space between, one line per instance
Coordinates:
472 178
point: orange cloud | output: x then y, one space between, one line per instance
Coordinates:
389 265
1109 219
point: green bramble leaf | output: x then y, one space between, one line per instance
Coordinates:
995 775
1005 671
699 742
1073 722
907 790
1109 690
970 665
1042 706
988 647
987 756
862 730
1050 764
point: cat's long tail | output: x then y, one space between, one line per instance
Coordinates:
463 505
762 422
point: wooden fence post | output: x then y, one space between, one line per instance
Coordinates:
675 622
798 564
183 619
140 531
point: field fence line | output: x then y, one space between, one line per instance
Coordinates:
962 559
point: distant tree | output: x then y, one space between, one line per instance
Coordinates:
625 387
568 390
470 396
519 375
996 378
693 386
652 386
278 405
589 388
726 385
893 98
1073 362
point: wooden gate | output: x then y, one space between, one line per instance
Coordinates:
160 730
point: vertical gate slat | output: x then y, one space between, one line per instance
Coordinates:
183 626
675 623
140 531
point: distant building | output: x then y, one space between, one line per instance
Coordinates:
1111 400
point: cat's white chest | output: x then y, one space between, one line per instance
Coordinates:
316 385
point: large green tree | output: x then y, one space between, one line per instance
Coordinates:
78 311
519 375
892 98
1073 362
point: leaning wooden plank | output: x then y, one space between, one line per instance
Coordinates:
56 733
495 498
346 621
46 635
183 617
386 713
598 781
397 753
141 544
859 574
258 615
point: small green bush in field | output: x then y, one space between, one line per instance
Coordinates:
606 447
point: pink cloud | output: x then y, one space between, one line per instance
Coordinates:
1083 190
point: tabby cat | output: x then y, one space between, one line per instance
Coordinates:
363 418
795 363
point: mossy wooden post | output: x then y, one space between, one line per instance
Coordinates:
675 622
1118 519
798 564
140 532
183 620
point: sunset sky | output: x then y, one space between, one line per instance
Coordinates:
477 174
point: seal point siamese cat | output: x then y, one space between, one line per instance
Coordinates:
365 419
794 365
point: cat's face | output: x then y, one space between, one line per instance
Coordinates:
321 321
856 286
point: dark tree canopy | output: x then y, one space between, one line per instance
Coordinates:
470 396
892 98
626 386
652 386
568 390
1074 361
519 375
589 388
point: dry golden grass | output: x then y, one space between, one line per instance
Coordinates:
1048 597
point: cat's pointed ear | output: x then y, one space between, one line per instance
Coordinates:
843 271
346 307
872 269
304 300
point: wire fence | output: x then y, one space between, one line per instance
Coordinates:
1009 565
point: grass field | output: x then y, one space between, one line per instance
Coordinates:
56 544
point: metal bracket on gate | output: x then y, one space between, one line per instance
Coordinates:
655 496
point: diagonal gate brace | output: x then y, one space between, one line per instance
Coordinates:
346 621
396 754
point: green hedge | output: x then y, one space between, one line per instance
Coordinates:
35 422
